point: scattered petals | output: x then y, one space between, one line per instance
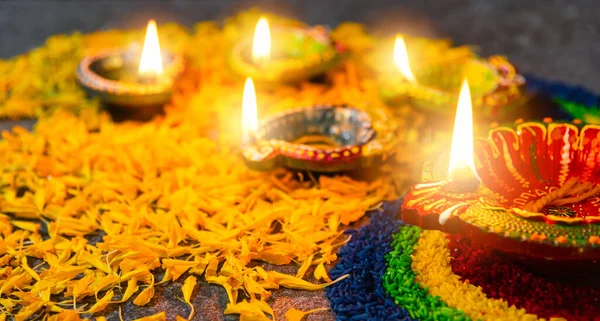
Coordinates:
297 315
161 316
90 205
321 273
146 295
102 303
187 289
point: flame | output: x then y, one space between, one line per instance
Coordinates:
401 59
461 153
261 46
151 60
249 113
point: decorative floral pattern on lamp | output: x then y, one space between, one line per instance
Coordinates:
534 191
319 138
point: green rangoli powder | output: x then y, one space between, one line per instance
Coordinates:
399 281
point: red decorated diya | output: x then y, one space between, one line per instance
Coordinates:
539 193
532 189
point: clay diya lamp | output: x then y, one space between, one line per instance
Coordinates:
496 87
317 138
532 190
130 79
291 55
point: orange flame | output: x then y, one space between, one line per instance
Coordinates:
261 45
249 113
461 152
401 59
151 60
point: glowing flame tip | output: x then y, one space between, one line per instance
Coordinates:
261 45
151 60
401 59
249 110
461 152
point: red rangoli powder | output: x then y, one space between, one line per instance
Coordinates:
503 278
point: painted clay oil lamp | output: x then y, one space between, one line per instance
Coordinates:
317 138
531 190
287 55
495 85
129 79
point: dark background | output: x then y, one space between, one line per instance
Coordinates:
557 39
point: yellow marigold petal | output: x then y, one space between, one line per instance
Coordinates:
161 316
66 315
247 311
8 304
188 288
28 311
293 282
29 270
95 262
321 274
40 199
297 315
82 286
146 295
105 282
304 267
25 225
264 307
177 267
102 303
132 287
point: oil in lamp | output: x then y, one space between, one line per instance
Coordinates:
285 54
432 87
316 138
532 189
130 79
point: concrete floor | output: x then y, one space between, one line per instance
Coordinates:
557 39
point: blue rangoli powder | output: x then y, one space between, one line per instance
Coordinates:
559 90
361 296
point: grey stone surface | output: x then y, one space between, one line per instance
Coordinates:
10 124
557 39
210 300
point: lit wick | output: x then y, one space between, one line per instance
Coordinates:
151 67
261 44
462 174
401 60
249 113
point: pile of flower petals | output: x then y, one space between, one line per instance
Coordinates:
161 199
92 209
